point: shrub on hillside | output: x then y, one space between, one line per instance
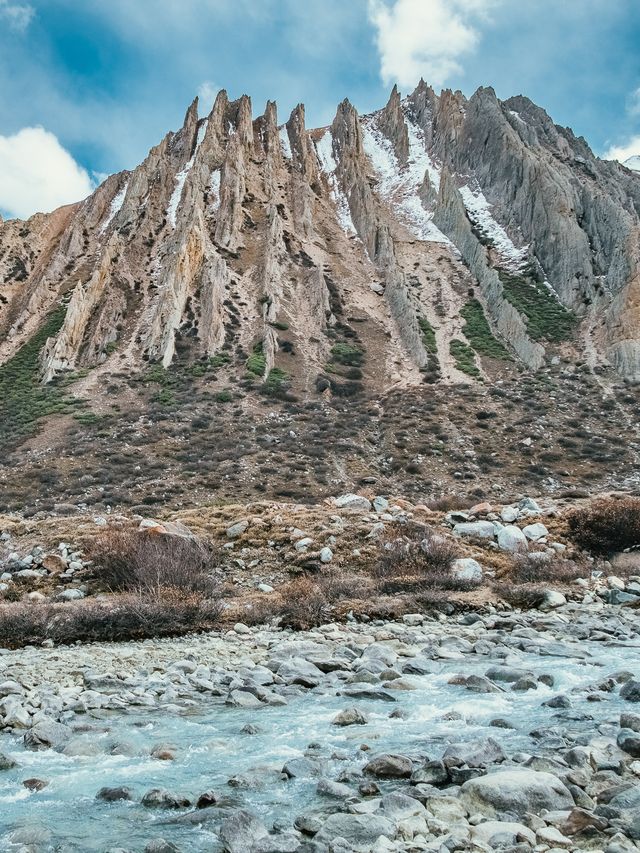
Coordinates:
606 525
123 617
138 560
304 605
416 564
532 568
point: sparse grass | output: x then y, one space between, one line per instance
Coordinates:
606 525
546 318
465 358
478 332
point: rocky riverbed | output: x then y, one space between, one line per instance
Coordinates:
487 731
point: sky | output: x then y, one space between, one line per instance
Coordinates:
88 86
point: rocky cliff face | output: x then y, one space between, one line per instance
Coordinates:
440 239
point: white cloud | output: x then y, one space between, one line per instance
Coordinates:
425 38
623 152
37 174
18 15
207 92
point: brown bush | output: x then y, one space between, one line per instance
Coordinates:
415 565
123 617
304 605
529 568
526 596
137 560
606 525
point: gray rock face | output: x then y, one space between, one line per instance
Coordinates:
512 793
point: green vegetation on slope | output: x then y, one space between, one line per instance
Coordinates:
546 318
465 358
478 332
24 400
428 336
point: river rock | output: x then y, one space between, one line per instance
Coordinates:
47 734
512 793
161 798
629 742
349 717
389 766
240 831
631 691
112 795
496 834
360 831
474 754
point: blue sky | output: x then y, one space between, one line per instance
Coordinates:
105 79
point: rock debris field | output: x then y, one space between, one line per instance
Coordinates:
516 731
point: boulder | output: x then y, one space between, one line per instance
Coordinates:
112 795
467 569
349 717
237 529
552 599
495 834
513 793
629 742
389 766
353 503
631 691
474 753
360 831
240 831
47 734
160 798
512 539
534 532
475 530
300 671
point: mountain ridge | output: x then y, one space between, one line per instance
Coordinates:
441 249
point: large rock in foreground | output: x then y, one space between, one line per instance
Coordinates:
513 793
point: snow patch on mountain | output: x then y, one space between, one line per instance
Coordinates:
479 211
324 149
116 207
399 185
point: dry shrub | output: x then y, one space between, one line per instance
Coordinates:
339 586
606 525
532 568
140 560
418 565
304 605
526 596
123 617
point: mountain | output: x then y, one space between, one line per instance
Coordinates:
633 163
362 299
